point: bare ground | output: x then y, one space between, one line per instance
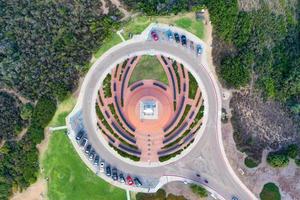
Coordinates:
35 192
288 178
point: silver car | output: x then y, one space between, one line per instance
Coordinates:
101 167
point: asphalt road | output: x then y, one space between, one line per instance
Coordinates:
206 158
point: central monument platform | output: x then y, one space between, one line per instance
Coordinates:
148 109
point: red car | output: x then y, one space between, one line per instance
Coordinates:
129 180
154 36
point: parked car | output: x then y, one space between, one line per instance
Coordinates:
137 182
169 35
129 180
101 168
183 40
154 35
83 142
96 161
92 155
79 135
88 149
114 174
177 38
234 198
121 178
108 171
199 49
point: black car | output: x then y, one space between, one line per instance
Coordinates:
137 182
88 149
183 40
96 161
121 178
114 174
177 38
108 171
83 142
79 135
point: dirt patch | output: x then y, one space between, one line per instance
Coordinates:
35 192
260 124
104 8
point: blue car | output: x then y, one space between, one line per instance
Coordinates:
199 49
169 35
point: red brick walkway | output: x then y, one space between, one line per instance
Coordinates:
149 134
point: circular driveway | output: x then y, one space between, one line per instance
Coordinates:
205 156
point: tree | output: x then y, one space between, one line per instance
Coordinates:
26 111
292 151
277 159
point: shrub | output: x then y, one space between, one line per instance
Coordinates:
270 192
26 111
199 190
297 161
250 163
277 159
292 151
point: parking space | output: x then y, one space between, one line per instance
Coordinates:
103 167
158 34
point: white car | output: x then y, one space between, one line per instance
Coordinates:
101 168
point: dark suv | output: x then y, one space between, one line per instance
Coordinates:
108 171
114 174
79 135
177 38
83 142
96 161
183 40
88 149
137 182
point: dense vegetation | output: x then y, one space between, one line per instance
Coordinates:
19 159
10 120
270 191
44 46
265 43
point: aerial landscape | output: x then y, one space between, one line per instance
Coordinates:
150 100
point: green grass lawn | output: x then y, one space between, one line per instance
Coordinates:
191 25
270 192
138 24
63 109
148 67
69 177
109 42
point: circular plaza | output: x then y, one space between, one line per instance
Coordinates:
148 113
149 108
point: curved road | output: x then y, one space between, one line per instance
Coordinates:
205 158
